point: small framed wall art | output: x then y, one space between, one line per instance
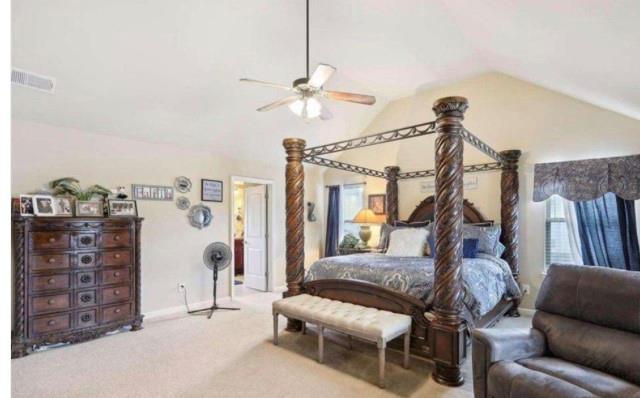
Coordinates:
378 203
151 192
122 208
85 208
43 205
211 191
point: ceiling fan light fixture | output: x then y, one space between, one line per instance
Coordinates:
306 108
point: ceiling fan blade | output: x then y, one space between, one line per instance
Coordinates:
320 76
268 84
284 101
325 113
350 97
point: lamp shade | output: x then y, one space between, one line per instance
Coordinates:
367 216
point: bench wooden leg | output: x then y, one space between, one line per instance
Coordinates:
381 364
320 343
407 346
275 329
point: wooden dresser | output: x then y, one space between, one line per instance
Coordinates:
75 279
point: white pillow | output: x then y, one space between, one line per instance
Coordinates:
407 242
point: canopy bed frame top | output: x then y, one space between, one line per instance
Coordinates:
441 334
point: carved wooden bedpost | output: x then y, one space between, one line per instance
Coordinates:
447 330
295 221
392 193
509 213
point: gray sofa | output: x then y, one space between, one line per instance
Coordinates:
585 340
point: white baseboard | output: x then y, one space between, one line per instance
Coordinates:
526 311
180 309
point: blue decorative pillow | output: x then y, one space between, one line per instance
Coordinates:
487 237
469 248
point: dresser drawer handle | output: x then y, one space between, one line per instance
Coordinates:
51 260
117 255
117 310
85 240
51 322
116 238
51 301
116 292
51 281
85 298
116 274
85 318
85 279
52 239
86 259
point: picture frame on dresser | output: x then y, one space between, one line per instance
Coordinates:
26 206
87 208
122 208
63 206
43 205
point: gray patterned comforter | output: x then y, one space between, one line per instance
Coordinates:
486 279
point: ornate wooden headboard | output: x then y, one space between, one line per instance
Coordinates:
425 211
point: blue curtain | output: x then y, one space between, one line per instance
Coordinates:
608 235
333 222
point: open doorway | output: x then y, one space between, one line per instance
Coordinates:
251 232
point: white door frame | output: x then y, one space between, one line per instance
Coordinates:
270 229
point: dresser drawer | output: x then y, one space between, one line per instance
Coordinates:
49 261
116 258
86 260
86 298
85 279
50 240
113 276
116 239
115 312
87 318
45 304
115 294
50 282
51 323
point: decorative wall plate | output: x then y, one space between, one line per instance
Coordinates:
200 216
183 202
182 184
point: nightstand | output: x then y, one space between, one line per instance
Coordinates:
357 250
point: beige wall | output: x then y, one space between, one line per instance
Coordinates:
171 248
508 114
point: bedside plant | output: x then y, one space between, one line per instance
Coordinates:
71 186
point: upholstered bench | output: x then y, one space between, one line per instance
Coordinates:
365 323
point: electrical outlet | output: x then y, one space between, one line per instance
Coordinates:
526 289
181 287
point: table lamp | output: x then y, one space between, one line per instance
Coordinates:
365 218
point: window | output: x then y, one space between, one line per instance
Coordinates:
557 243
352 203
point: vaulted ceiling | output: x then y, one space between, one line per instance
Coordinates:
167 71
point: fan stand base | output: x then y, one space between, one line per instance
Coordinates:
212 309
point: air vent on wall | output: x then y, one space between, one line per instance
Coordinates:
33 80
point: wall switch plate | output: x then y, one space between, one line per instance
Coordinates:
526 289
181 287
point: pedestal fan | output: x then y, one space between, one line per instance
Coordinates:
217 257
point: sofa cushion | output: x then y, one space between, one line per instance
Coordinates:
596 382
611 351
604 296
511 380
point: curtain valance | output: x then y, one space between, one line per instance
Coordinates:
589 179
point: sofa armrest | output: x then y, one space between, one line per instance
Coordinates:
493 345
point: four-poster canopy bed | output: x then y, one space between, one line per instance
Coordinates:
438 332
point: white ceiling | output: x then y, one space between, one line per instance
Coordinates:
167 70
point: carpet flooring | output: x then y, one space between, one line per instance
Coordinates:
230 355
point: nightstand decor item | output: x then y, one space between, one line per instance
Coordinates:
182 184
183 203
89 208
122 208
211 191
75 279
200 216
151 192
366 218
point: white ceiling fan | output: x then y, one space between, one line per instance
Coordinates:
305 91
